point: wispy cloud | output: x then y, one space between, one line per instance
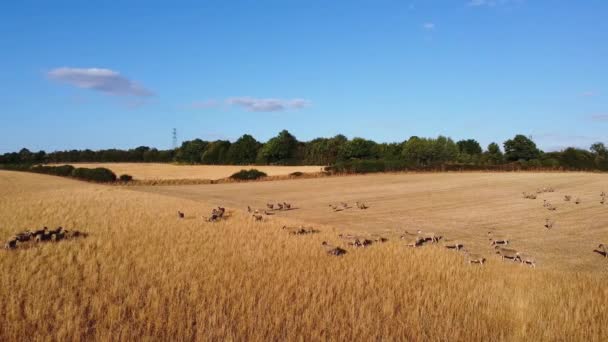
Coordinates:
428 26
253 104
589 94
103 80
599 117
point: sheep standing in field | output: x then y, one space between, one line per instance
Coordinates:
361 205
280 205
567 198
507 253
602 249
529 196
578 201
428 236
474 258
286 205
24 236
333 250
453 245
496 241
270 206
180 214
527 259
11 244
258 217
39 232
549 223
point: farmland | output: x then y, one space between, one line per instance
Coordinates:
143 273
165 171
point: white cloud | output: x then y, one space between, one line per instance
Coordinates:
428 26
599 117
103 80
267 105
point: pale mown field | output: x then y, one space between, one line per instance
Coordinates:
143 274
164 171
462 206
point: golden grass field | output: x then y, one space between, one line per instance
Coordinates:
165 171
144 274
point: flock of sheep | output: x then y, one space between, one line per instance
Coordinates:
501 246
42 235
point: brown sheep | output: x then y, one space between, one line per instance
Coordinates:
333 250
602 249
11 244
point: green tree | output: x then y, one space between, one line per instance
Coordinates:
191 151
278 150
521 148
244 150
494 155
358 148
216 152
469 146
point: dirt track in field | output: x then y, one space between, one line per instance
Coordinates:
462 206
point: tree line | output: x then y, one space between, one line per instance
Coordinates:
285 149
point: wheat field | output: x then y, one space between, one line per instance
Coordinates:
165 171
144 274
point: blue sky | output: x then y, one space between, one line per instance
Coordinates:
123 74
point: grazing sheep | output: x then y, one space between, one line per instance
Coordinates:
11 244
602 249
356 241
333 250
39 232
270 206
603 200
415 242
453 245
528 196
527 259
474 258
428 236
578 201
494 241
567 198
507 253
56 231
301 230
549 223
180 214
43 237
280 206
258 217
287 205
361 205
24 236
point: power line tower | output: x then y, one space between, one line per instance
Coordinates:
174 138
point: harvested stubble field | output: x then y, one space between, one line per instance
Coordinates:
164 171
144 274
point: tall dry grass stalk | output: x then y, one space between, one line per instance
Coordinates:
143 274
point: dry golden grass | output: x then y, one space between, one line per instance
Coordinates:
164 171
143 274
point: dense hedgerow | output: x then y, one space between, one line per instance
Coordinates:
248 175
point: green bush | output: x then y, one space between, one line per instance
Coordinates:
248 175
100 174
125 178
